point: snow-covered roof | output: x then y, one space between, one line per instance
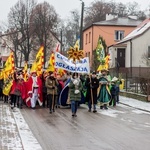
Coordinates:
124 21
119 21
144 26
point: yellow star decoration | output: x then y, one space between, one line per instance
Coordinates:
75 54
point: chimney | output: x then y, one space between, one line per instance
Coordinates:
111 16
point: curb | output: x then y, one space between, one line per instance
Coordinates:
135 107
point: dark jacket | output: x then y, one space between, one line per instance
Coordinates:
93 85
1 83
113 90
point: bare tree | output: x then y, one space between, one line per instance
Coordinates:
132 8
19 20
121 10
96 12
113 6
14 36
72 28
44 22
99 8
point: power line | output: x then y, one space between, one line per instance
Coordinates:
105 31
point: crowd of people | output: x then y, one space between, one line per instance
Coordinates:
46 90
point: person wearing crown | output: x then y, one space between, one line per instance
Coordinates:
104 95
34 90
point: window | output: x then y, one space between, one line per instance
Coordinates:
86 38
119 35
148 52
89 37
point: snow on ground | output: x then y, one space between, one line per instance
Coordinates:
14 131
28 139
140 111
139 105
135 103
110 112
9 137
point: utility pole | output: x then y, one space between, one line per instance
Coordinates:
81 26
61 45
149 12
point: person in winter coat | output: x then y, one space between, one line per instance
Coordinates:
118 82
44 89
1 89
75 87
113 91
52 91
14 92
92 86
22 90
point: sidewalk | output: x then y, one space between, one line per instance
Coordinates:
145 106
10 138
15 134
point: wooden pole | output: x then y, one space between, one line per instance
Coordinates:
53 98
91 93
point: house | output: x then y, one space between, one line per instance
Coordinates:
132 54
6 45
4 48
113 29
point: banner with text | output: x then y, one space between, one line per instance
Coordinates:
66 64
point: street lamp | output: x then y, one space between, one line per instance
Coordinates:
81 26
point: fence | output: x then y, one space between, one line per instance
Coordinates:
136 79
138 85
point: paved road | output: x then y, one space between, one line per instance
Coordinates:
120 128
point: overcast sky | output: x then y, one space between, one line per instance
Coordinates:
63 7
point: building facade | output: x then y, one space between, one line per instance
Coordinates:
112 30
5 48
132 54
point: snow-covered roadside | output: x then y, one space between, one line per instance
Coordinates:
28 140
9 136
135 103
